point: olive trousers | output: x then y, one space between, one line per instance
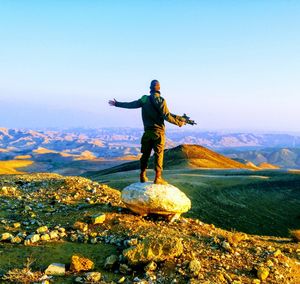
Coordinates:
152 140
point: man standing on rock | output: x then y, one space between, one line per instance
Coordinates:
154 112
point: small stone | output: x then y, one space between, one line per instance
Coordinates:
93 240
227 246
227 277
56 269
62 230
151 266
53 235
124 268
45 277
16 240
80 263
45 237
6 237
62 234
122 280
42 230
194 267
277 253
98 218
93 276
110 261
81 226
34 238
263 273
132 242
17 225
73 238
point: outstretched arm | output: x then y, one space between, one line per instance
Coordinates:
134 104
172 118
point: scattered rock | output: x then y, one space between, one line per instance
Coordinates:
45 237
277 253
33 238
79 279
80 263
42 230
9 191
98 218
53 235
17 225
56 269
122 280
124 268
110 261
194 267
16 240
80 226
151 266
263 273
226 246
7 237
93 276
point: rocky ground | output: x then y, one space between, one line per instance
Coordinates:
56 229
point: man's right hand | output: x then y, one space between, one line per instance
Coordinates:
182 123
112 102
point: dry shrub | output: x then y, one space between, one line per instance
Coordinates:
24 275
295 235
235 238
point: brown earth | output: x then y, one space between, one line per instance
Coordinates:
185 251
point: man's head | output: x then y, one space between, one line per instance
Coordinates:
154 86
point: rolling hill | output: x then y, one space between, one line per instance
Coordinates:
183 156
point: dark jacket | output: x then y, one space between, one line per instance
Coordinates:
153 117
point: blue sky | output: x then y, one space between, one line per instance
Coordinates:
231 65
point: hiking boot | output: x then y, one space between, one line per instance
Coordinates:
143 176
159 179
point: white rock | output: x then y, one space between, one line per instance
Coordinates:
144 198
57 269
93 276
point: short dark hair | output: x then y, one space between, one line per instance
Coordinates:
153 83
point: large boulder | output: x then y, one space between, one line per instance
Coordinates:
155 248
145 198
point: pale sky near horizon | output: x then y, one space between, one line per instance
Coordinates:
231 65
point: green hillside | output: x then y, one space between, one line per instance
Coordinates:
260 202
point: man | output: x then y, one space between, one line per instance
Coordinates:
154 112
